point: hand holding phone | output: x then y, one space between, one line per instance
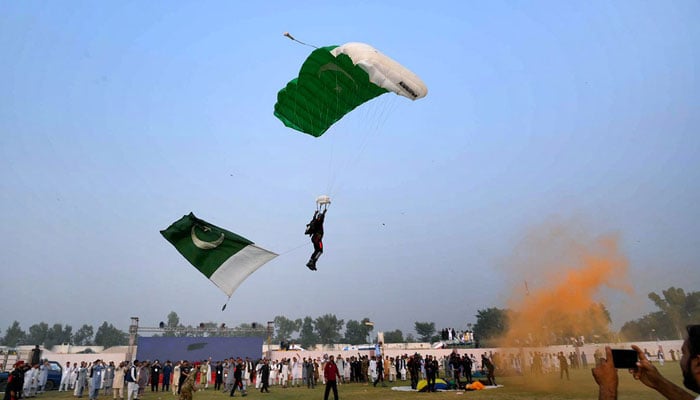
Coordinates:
624 358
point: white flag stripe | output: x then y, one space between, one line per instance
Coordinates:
239 266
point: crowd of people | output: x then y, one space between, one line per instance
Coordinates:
451 335
29 378
129 381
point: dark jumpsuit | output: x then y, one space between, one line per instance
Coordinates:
315 229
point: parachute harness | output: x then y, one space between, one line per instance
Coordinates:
322 202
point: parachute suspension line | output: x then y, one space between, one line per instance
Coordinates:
375 115
333 174
299 41
388 105
347 163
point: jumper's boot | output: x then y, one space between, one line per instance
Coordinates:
311 264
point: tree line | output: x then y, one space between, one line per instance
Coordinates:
676 309
107 335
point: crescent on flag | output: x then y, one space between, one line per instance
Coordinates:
201 243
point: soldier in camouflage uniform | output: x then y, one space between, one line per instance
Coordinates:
188 386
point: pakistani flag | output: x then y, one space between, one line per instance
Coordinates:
225 258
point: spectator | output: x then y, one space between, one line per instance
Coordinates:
563 366
606 377
167 372
330 373
96 373
118 383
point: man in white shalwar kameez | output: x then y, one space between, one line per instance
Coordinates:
247 372
43 376
373 368
340 364
29 382
74 375
65 377
284 372
258 374
81 382
296 372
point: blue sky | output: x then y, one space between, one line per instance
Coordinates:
117 118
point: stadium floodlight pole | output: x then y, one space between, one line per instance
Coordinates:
133 332
370 325
270 327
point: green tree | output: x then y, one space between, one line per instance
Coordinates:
107 335
286 327
38 333
307 335
425 330
649 327
188 331
171 325
328 328
14 335
357 332
678 307
599 328
491 323
393 336
83 336
559 326
252 329
209 329
220 330
58 335
203 329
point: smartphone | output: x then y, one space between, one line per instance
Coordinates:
624 358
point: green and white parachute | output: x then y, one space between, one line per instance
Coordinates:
334 80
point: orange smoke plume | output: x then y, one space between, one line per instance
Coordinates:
563 301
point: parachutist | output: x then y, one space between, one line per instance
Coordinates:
315 230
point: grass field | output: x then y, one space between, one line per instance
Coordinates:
581 386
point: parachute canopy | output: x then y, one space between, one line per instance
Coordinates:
334 80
